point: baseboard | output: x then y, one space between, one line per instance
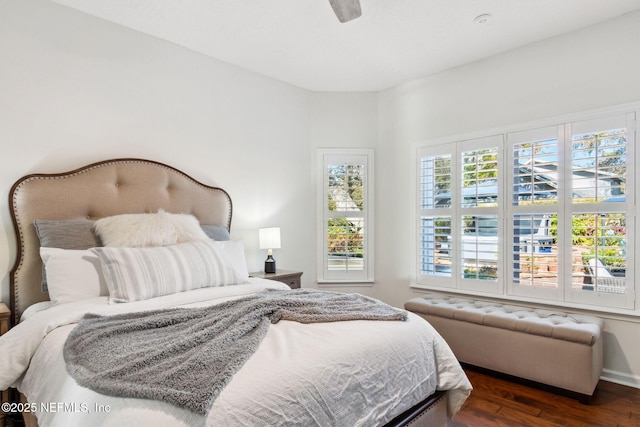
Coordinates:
620 378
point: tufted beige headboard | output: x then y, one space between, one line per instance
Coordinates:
95 191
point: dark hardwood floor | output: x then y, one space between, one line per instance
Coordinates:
498 402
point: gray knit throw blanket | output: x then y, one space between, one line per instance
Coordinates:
186 356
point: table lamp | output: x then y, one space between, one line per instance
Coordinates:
269 240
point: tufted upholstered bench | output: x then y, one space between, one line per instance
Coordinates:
549 347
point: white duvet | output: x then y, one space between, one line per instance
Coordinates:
384 367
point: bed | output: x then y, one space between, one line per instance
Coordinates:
390 372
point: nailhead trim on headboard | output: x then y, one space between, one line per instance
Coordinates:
98 196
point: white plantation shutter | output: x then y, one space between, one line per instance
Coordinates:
536 188
542 213
599 204
345 204
435 215
479 214
458 214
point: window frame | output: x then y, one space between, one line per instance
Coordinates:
353 156
564 295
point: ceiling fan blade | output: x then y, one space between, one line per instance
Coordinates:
346 10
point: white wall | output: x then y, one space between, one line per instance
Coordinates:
592 68
75 89
343 120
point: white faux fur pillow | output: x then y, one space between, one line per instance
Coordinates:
148 230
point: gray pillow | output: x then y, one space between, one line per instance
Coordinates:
216 232
65 234
79 234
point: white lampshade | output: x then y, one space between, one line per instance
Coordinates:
269 238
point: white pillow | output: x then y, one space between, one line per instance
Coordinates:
148 230
134 274
72 275
234 250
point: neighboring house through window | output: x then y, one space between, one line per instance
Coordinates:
544 214
345 206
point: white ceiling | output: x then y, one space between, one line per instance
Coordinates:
302 43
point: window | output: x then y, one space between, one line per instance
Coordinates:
345 204
543 214
459 214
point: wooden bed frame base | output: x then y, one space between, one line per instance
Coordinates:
431 412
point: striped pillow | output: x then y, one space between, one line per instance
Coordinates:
134 274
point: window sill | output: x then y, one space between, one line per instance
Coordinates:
325 282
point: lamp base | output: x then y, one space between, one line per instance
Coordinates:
270 264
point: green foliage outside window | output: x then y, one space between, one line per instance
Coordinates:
346 193
345 238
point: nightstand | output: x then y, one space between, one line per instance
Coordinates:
5 313
291 278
